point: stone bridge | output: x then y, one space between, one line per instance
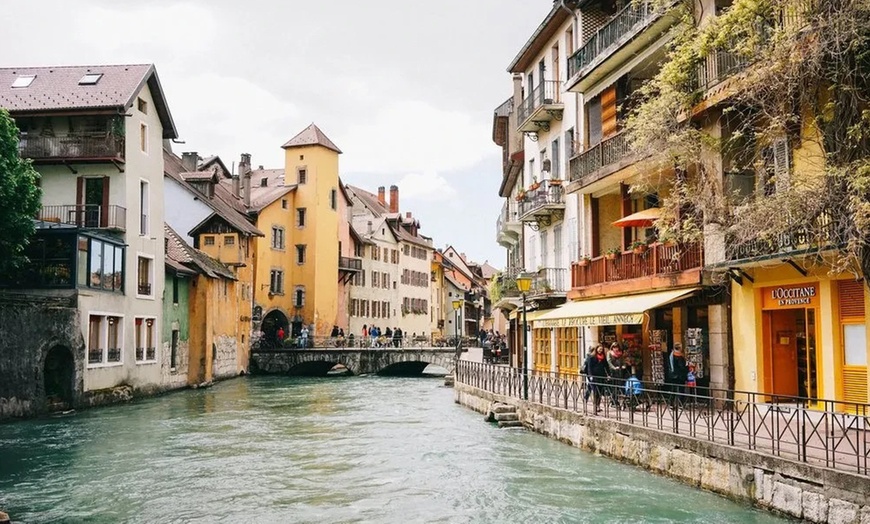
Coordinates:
318 362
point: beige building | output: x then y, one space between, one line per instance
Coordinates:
95 134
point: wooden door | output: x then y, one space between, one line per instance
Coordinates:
783 353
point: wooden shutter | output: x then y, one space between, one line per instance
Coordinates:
80 201
593 116
851 294
608 112
104 208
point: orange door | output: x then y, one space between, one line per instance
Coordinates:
783 349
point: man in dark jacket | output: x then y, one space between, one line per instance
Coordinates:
597 372
678 371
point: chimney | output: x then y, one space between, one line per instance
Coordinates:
394 199
245 173
407 214
371 229
190 161
381 191
237 185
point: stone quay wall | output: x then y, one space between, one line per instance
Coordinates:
814 494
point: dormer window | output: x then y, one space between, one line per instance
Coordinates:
90 79
264 182
23 81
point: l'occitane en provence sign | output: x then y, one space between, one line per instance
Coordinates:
801 295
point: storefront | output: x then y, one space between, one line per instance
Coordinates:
804 337
645 325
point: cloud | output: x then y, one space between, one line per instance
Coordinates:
185 27
408 135
425 186
230 115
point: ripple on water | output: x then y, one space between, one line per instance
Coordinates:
363 449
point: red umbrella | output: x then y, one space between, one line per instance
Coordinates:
644 218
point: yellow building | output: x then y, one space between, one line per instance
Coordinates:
215 334
296 265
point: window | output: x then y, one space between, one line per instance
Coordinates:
276 282
229 240
300 253
376 282
105 339
143 137
173 350
144 207
569 143
175 289
146 350
386 279
101 265
142 106
91 79
299 297
777 167
145 277
333 199
301 175
277 237
283 203
300 217
555 168
358 250
23 81
855 345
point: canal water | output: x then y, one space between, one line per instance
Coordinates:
356 449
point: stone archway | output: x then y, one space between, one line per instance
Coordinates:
274 323
59 378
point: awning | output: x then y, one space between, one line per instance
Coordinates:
609 311
643 218
531 315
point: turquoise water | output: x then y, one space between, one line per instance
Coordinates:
356 449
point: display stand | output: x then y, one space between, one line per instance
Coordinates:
695 351
658 342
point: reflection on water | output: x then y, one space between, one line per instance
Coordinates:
344 449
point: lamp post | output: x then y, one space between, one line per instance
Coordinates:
456 305
524 284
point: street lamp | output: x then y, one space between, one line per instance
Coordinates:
456 305
524 284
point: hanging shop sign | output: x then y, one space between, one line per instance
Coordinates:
801 295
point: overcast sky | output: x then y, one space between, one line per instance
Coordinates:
405 88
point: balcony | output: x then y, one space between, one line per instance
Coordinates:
542 206
616 41
349 264
79 148
89 216
549 281
813 235
717 67
602 159
508 226
540 108
658 260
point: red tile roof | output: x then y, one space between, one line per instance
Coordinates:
310 136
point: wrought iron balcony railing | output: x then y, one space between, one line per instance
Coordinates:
608 151
546 93
72 147
86 215
546 196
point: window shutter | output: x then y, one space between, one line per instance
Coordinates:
608 112
594 117
104 210
851 298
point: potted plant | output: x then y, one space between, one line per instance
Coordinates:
555 181
639 247
521 195
612 253
535 184
584 261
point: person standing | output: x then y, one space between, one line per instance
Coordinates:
678 372
597 372
616 365
279 336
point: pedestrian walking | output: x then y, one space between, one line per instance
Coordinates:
598 372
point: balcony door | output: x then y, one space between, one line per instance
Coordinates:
92 202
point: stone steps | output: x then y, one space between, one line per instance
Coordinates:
504 415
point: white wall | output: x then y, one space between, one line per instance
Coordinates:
182 210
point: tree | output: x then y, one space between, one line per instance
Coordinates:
805 81
19 197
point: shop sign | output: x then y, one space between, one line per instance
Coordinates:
803 295
595 320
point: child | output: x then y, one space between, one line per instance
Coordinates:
691 382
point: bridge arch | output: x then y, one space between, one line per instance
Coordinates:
272 322
318 362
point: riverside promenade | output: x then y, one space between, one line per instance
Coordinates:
805 460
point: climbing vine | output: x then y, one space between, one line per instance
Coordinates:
801 76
